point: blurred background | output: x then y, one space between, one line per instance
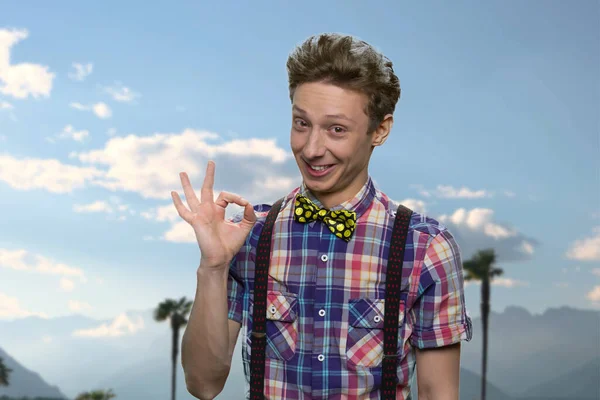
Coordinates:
102 104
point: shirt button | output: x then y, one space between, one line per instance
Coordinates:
321 357
324 258
322 313
377 318
273 310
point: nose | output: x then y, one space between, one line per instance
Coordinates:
314 147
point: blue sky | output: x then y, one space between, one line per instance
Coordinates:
496 134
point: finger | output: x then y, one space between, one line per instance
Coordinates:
249 215
181 209
188 191
207 196
225 198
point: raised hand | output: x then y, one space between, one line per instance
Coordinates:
219 240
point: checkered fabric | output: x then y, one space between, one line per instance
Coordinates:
325 299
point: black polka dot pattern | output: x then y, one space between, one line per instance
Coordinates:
341 222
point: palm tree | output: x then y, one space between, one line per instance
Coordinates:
177 312
480 268
97 395
4 373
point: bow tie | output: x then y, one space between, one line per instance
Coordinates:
341 223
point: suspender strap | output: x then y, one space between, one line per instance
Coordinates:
259 334
393 280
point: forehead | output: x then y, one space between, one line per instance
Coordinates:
318 99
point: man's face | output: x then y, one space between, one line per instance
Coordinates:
329 131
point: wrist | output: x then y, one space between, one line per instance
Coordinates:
212 271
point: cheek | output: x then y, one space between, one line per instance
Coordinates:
296 142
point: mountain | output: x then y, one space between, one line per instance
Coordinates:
26 383
526 350
77 363
581 383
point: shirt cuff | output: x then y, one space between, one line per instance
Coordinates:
443 336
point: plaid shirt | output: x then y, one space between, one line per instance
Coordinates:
325 299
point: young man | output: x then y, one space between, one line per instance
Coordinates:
325 271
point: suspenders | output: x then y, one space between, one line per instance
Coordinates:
391 310
259 332
392 302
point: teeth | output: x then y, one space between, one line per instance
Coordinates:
322 168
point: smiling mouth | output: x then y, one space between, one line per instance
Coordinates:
318 170
319 167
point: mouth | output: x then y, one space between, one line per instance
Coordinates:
319 170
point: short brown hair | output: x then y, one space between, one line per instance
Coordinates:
350 63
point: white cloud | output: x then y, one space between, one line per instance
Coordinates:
6 105
594 294
11 308
414 204
527 247
78 306
97 206
476 229
111 132
167 213
22 260
48 174
100 206
180 232
121 93
101 110
150 165
120 326
70 133
596 271
81 71
561 285
587 249
24 79
450 192
508 282
47 339
509 193
502 282
67 285
79 106
479 219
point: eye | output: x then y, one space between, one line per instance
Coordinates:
299 123
338 129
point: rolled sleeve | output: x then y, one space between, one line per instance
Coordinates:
439 313
235 283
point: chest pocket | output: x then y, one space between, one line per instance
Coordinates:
282 325
364 344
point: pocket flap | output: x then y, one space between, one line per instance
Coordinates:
281 306
366 313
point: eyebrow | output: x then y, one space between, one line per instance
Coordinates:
339 116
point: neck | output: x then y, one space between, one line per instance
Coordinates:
330 200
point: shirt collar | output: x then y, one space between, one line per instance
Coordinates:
359 203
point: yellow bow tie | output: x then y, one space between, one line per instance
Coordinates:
341 223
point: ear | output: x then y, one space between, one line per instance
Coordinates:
383 130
